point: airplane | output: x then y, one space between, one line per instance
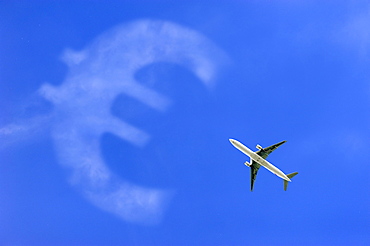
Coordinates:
257 159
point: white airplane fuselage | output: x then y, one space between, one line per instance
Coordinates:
258 159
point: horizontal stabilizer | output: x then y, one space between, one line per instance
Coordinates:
291 175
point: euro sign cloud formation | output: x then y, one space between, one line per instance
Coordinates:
97 75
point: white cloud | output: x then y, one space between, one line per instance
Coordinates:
97 75
72 58
134 203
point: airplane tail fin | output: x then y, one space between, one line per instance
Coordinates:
291 175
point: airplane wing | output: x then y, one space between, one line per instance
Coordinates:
254 169
266 151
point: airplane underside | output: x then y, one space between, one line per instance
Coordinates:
255 161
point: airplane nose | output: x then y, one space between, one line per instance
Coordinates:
232 140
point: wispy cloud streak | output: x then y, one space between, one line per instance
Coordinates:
25 130
355 32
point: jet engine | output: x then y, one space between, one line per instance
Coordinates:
247 164
259 147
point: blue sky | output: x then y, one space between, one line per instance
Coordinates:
115 120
